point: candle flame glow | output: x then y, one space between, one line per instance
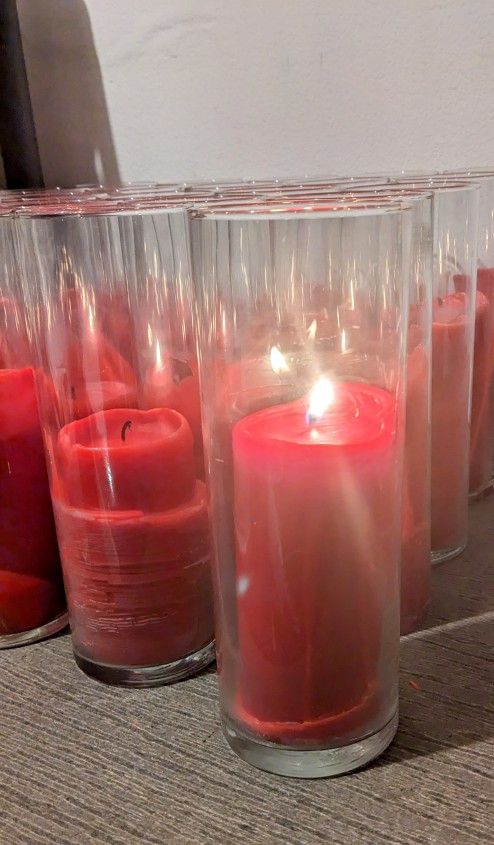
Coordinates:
158 356
321 397
312 330
278 361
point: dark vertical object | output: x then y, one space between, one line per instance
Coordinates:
17 133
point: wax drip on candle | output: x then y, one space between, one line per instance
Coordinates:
126 427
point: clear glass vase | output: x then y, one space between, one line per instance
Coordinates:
303 340
117 375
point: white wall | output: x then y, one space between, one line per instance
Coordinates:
173 89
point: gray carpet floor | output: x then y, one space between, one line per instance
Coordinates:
85 764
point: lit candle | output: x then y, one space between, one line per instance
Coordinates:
317 528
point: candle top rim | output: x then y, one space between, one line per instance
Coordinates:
360 414
115 435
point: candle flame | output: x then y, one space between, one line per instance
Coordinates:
158 356
278 361
321 397
91 319
312 330
344 344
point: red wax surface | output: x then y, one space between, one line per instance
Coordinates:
416 524
147 465
132 525
317 528
449 429
482 420
30 578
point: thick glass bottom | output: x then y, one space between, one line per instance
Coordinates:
35 634
147 676
297 763
441 555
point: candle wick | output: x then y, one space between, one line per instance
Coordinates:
440 300
72 391
126 426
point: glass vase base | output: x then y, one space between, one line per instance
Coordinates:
35 634
441 555
147 676
298 763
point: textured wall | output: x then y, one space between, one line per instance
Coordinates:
194 88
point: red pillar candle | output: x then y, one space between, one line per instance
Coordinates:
31 592
416 524
132 525
317 548
450 429
127 460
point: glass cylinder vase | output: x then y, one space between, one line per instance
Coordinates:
482 427
302 337
32 601
118 382
459 313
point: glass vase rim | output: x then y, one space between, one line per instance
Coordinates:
368 191
43 213
438 184
313 211
473 172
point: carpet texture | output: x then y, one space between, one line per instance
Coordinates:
85 764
